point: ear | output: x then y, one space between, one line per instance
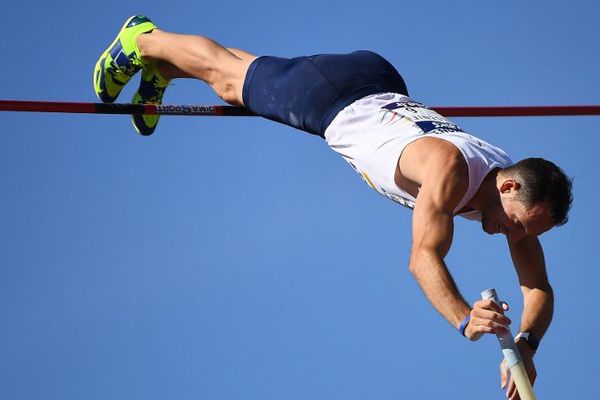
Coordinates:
509 186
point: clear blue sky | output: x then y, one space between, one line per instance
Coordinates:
235 258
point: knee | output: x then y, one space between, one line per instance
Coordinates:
230 93
228 86
226 76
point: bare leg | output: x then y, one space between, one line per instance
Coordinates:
239 53
170 71
198 57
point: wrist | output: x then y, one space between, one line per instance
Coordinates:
463 325
528 339
525 351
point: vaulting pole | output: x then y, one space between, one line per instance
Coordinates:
512 356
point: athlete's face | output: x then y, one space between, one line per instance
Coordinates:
512 218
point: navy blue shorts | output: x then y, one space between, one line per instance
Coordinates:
308 92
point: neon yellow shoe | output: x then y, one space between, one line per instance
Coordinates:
151 91
121 60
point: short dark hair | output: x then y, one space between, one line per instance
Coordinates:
542 180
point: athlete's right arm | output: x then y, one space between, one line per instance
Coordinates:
443 185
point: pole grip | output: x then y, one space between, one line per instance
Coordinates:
506 340
511 354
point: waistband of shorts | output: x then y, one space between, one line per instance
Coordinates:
348 98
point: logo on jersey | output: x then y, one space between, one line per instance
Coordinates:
420 116
438 127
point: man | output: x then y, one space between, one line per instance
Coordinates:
359 104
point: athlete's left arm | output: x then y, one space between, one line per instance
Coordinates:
538 300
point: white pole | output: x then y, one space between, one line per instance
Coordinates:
511 354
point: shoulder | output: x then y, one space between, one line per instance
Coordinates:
446 179
449 152
447 162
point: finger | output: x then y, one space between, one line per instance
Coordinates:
479 309
503 374
491 315
532 375
487 326
505 305
478 330
512 389
515 396
488 310
488 305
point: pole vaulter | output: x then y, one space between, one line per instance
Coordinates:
409 153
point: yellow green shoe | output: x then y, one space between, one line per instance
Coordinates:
151 91
121 60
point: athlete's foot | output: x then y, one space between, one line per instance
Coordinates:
121 60
151 91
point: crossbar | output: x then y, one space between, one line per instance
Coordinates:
231 111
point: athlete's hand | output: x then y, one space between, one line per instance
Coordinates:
487 317
506 380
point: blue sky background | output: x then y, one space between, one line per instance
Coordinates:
235 258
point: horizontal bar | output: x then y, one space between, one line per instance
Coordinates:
202 110
116 108
518 111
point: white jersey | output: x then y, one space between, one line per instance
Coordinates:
372 132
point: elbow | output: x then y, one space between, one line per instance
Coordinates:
415 262
422 258
412 268
541 291
549 292
543 288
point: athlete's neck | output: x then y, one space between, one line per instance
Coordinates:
487 194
